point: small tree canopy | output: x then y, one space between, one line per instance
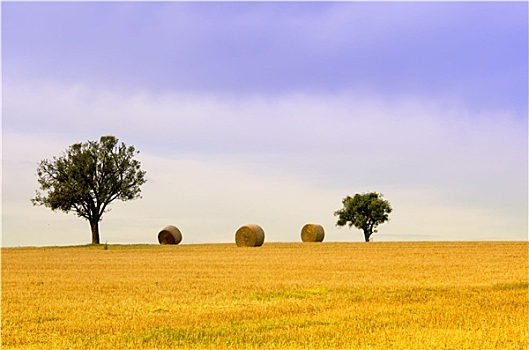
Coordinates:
364 211
88 177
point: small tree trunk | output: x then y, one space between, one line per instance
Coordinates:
367 235
94 225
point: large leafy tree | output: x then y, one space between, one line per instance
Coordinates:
364 211
88 177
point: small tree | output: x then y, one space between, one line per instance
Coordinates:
88 177
364 211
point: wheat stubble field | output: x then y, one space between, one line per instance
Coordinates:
431 295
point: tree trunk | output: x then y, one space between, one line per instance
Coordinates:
367 235
94 225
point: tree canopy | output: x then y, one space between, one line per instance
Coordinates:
364 211
88 177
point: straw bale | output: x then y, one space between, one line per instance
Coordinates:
249 236
312 233
170 235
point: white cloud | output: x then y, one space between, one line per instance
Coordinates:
217 162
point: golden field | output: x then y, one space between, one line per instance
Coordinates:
420 295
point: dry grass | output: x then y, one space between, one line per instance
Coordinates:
282 296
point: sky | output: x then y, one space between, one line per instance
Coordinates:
270 113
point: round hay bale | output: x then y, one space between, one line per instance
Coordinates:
249 236
170 235
312 233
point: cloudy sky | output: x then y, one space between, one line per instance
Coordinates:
271 113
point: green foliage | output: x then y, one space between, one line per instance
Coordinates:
88 177
364 211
